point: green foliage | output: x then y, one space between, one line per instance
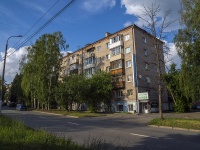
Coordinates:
177 122
42 67
80 89
16 93
100 90
173 82
15 135
188 45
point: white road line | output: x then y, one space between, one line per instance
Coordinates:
144 136
73 123
42 117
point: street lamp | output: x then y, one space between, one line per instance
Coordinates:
4 64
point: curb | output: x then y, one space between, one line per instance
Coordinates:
174 128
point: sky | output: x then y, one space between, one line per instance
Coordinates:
85 21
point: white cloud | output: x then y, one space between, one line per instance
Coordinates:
134 7
97 5
128 23
172 56
12 63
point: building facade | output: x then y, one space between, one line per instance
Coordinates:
130 56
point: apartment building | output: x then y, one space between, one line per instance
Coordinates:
130 56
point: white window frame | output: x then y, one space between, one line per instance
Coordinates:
108 57
108 45
148 80
144 40
145 52
128 50
128 63
108 69
127 37
129 78
146 66
99 48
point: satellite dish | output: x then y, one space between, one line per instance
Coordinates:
140 76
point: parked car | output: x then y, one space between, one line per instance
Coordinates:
21 107
12 104
4 104
198 106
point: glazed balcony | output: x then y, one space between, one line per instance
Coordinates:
118 85
115 44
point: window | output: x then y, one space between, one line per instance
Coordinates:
99 60
107 68
99 48
129 92
145 52
128 50
90 71
115 39
130 107
119 93
148 79
119 107
107 45
144 40
116 64
127 37
90 60
129 78
128 64
146 66
116 51
107 56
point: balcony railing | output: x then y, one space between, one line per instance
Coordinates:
117 57
92 65
118 85
118 43
117 71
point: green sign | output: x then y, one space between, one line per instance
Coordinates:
143 96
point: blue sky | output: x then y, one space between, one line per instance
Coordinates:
85 21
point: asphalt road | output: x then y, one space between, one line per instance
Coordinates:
125 130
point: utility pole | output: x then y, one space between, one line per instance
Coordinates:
3 72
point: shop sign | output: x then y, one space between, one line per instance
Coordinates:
143 96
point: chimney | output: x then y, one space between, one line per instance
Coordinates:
107 34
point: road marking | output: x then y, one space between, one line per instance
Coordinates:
41 117
144 136
73 123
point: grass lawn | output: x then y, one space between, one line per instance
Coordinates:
177 122
15 135
75 113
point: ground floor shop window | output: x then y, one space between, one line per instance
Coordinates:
130 107
119 107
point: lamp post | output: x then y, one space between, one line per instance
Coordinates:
4 64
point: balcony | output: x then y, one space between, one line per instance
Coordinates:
118 43
118 85
74 61
117 71
73 67
117 57
89 66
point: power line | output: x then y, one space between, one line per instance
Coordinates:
44 25
37 22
